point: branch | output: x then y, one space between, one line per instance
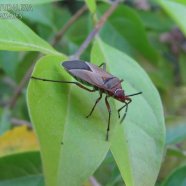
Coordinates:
96 29
61 33
93 181
18 122
21 85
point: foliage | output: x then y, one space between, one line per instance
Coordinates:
73 147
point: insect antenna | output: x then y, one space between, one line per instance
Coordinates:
134 94
126 106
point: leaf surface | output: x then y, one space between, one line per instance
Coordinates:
137 144
72 146
177 11
177 177
21 169
16 36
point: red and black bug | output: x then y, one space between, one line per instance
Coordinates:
91 75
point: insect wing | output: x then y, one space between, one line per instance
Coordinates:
89 77
89 73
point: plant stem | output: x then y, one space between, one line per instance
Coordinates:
63 30
96 29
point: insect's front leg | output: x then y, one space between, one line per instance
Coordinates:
98 99
119 110
126 109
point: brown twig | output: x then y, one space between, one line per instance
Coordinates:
21 85
93 181
61 33
98 26
19 122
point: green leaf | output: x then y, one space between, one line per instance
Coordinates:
128 32
176 152
75 35
21 169
25 181
176 178
60 12
19 2
176 134
91 4
177 11
156 20
16 36
58 113
137 144
5 120
24 64
182 67
20 165
41 14
9 62
180 1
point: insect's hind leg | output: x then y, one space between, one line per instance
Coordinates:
98 99
61 81
103 65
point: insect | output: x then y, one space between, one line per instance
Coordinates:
88 74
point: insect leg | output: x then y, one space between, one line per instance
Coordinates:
104 66
98 99
126 109
61 81
109 111
119 110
